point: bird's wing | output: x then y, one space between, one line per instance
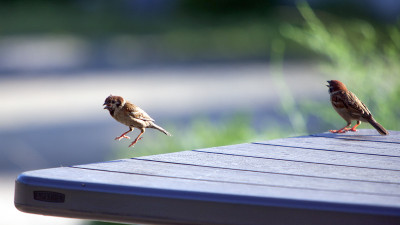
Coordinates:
354 105
137 112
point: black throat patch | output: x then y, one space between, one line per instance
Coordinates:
112 111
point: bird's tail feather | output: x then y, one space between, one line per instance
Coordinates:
155 126
378 127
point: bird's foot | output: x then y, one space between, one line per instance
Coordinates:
134 142
352 129
338 131
122 137
132 145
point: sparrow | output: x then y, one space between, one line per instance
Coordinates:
130 115
349 107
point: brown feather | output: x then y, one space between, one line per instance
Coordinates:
137 112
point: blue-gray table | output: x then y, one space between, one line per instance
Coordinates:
351 178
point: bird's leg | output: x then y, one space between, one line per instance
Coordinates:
137 138
354 128
343 130
123 135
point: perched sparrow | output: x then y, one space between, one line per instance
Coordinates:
350 108
130 115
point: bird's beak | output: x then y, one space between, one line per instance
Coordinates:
106 106
329 83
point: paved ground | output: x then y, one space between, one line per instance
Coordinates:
46 121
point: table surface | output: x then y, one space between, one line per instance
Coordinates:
351 178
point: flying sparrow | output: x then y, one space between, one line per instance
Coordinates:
130 115
350 108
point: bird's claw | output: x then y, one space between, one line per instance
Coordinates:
131 145
352 129
122 137
338 131
134 142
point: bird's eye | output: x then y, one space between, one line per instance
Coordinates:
112 101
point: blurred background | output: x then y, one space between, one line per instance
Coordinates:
210 72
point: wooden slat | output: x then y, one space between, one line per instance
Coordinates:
277 166
194 172
337 145
299 154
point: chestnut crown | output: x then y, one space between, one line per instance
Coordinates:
335 85
113 102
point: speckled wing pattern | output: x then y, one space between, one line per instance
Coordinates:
346 99
137 112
